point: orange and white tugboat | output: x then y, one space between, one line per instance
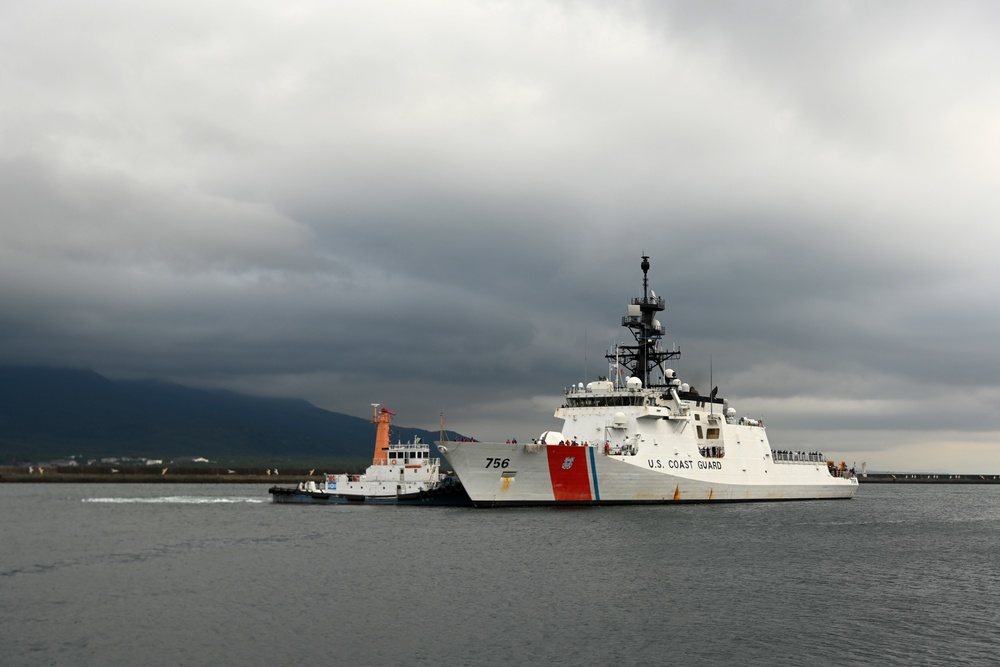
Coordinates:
644 436
400 474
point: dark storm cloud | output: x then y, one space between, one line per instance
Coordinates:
442 207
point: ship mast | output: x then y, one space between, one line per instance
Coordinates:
382 421
645 357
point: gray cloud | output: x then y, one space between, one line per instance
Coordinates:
442 208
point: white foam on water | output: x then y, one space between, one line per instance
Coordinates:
175 500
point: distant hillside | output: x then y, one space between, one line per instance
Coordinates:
48 413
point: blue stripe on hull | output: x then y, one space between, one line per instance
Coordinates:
593 473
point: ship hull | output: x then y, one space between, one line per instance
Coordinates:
453 496
508 475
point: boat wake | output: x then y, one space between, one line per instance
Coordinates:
176 500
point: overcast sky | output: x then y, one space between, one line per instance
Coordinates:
441 206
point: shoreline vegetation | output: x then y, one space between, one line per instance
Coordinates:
264 475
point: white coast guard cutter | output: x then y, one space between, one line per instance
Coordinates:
649 439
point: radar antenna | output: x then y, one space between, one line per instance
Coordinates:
645 357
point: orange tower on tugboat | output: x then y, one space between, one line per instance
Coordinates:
382 421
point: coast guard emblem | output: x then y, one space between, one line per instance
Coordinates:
568 463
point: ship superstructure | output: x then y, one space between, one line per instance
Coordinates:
641 435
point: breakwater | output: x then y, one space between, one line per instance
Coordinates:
156 475
927 478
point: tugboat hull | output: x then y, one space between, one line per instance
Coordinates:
451 496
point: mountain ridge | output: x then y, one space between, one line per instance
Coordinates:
50 412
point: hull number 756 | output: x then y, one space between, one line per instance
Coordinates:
497 463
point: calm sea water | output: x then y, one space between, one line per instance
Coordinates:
209 575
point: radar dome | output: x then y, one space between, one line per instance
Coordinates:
633 384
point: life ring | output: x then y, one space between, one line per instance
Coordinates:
394 462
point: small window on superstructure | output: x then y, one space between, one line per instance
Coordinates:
700 436
713 433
